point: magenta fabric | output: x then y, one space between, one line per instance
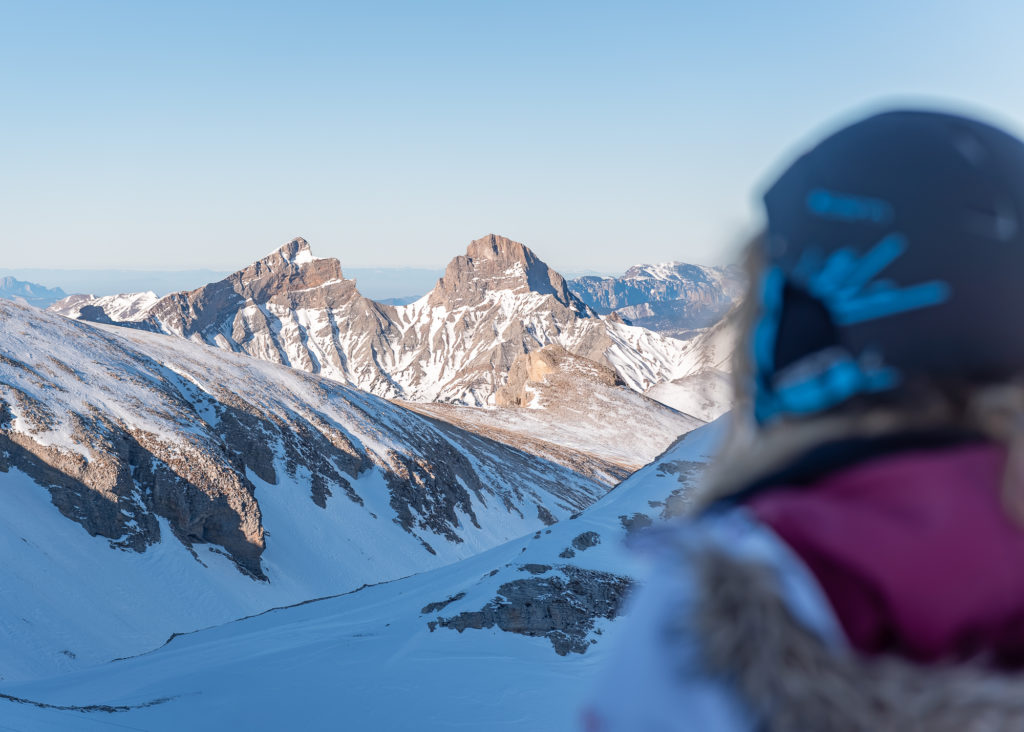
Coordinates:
914 552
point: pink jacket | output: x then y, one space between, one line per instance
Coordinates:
915 553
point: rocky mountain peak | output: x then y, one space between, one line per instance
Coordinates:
287 269
494 263
494 246
296 251
672 298
671 271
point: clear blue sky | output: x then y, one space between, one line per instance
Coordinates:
203 134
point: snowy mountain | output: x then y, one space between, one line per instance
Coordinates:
456 344
29 293
107 309
152 484
506 640
672 298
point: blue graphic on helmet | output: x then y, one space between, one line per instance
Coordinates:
848 287
849 208
845 283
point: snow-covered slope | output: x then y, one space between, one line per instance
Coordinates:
705 394
705 388
455 344
129 307
150 484
506 640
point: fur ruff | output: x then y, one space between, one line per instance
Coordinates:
795 684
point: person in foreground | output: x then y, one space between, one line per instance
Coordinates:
857 561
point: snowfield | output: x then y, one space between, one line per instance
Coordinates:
387 657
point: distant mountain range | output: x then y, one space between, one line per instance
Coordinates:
474 340
673 298
456 344
113 281
29 293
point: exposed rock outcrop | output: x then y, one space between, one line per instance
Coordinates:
562 607
557 369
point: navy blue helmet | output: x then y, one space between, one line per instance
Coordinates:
894 253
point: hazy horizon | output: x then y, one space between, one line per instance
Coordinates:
378 283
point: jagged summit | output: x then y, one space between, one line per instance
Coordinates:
289 268
495 246
296 251
494 263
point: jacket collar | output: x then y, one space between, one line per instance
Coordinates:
795 683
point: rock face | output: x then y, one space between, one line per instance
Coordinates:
562 607
674 298
29 293
556 368
128 477
130 431
496 263
455 345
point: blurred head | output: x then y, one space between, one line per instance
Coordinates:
885 291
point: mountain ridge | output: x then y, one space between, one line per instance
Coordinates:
455 344
29 293
673 298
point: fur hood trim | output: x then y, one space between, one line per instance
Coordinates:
795 683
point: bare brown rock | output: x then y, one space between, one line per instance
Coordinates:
552 369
